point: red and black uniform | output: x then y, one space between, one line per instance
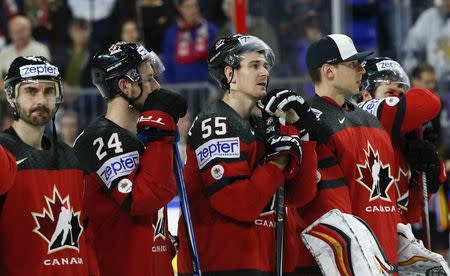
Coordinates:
231 196
127 189
8 170
41 216
357 173
400 116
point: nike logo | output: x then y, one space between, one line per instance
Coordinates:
21 160
341 120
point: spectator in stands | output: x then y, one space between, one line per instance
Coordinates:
129 31
73 60
312 31
157 15
429 41
186 46
68 126
256 25
423 76
22 44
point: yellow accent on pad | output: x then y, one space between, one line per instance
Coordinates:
334 243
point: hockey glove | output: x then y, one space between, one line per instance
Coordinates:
278 144
422 156
284 100
158 121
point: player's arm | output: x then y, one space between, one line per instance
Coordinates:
220 152
141 184
8 170
332 190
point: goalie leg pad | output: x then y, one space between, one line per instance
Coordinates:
343 244
414 258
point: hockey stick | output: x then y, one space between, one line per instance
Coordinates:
425 214
279 210
186 211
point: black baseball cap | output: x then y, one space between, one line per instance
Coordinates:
333 49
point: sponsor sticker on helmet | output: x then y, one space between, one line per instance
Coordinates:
388 65
244 39
143 52
28 71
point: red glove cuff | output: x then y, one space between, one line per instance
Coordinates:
156 119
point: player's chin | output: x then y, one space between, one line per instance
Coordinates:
40 120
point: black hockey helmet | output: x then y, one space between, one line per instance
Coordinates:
228 50
121 60
31 69
383 70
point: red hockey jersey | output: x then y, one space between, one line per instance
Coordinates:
357 171
231 196
8 170
127 188
41 221
400 116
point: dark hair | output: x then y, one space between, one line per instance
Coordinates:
420 68
79 23
315 76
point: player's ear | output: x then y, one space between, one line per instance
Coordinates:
124 86
229 74
366 95
328 71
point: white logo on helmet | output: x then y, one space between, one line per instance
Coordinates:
217 172
143 52
28 71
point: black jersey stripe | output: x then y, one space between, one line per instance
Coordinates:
222 183
327 163
334 183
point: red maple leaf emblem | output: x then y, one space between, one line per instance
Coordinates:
58 224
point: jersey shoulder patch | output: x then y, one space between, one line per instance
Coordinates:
217 133
108 149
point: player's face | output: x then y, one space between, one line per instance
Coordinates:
149 84
389 90
348 77
36 101
252 76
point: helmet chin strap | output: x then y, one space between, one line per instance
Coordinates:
131 101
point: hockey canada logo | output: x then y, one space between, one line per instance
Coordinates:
58 224
375 176
160 225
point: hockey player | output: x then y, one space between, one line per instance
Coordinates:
49 179
386 93
233 169
129 182
356 148
8 169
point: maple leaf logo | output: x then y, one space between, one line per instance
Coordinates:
403 192
58 224
160 226
375 176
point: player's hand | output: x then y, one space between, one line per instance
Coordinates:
300 114
161 112
278 145
422 156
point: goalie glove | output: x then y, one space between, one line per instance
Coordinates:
414 258
297 112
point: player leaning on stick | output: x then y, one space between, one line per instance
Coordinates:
129 182
233 169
